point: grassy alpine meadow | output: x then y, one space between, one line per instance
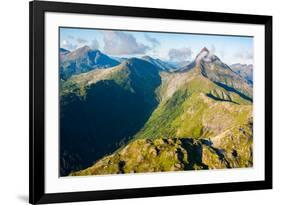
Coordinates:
136 102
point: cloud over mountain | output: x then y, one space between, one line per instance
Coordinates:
245 55
95 44
71 43
81 40
121 43
180 54
68 44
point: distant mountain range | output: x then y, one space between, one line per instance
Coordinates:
83 60
246 71
144 114
161 65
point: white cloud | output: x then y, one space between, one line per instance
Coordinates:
120 43
213 49
152 40
67 44
181 54
71 43
94 44
244 57
81 41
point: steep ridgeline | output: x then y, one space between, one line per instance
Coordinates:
102 109
180 65
220 73
203 121
161 65
83 60
196 102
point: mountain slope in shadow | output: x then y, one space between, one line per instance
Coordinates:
98 117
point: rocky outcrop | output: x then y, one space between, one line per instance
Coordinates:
229 150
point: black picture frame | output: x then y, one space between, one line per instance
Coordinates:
37 194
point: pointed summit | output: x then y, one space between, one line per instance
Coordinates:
78 53
206 56
84 59
204 50
202 55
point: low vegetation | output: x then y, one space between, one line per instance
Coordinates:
136 117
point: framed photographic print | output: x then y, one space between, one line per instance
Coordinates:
140 102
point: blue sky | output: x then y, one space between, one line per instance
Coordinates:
166 46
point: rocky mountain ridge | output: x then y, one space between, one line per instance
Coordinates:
206 103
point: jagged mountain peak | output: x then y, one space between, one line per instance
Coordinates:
210 66
206 56
204 50
84 59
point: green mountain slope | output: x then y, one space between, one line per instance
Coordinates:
198 127
200 118
195 107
